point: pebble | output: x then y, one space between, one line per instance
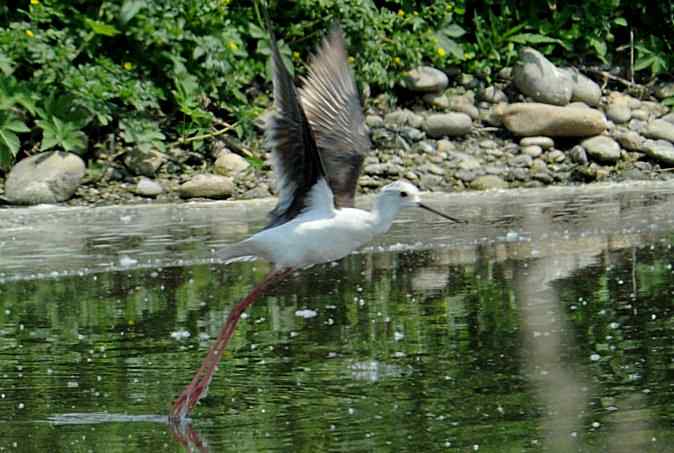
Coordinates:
447 124
602 148
543 142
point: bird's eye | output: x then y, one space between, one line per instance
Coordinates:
403 194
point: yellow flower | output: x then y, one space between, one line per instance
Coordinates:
401 13
296 56
351 60
128 66
449 6
29 33
232 45
441 52
34 2
396 60
226 2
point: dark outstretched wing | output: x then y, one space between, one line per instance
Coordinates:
332 105
295 158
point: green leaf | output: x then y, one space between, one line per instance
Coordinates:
533 38
129 9
101 28
454 31
668 101
9 141
16 125
620 21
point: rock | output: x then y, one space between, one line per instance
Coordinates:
374 121
660 150
506 73
383 137
665 90
530 119
260 191
669 118
488 144
426 79
641 114
411 134
578 155
535 76
49 177
660 129
521 161
618 109
423 147
602 148
583 89
144 163
556 156
436 100
493 95
465 161
207 186
447 124
148 187
654 108
464 104
543 142
466 175
618 113
230 164
488 182
445 146
403 117
628 139
532 150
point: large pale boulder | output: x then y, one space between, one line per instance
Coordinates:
660 129
49 177
447 124
529 119
426 79
535 76
207 186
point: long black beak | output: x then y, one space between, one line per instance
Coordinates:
428 208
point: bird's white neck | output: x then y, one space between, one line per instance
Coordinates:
384 212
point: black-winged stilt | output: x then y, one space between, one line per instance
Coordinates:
318 140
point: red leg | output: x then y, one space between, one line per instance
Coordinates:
198 388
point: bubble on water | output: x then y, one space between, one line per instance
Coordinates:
306 313
397 336
126 261
20 405
180 334
351 411
595 357
596 424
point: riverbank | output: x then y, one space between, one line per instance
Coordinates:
534 125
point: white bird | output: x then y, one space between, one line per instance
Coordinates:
318 141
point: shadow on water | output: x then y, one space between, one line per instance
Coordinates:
543 325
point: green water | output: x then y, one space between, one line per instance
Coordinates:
558 340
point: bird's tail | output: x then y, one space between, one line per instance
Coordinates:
235 252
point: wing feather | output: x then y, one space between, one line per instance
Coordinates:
295 157
332 105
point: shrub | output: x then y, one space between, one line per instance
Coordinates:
155 72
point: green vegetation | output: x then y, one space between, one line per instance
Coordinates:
175 71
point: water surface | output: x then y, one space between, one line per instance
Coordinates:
544 324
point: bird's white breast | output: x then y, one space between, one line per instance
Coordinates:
314 237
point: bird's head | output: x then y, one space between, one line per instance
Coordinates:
402 194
